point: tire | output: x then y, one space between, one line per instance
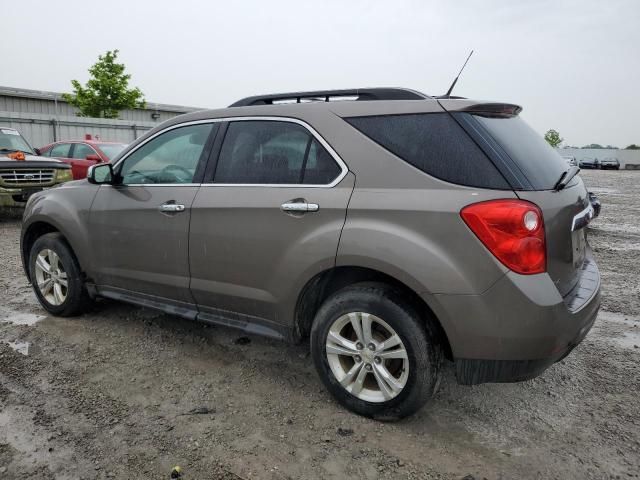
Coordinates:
67 301
418 373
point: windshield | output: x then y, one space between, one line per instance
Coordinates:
538 161
111 149
11 140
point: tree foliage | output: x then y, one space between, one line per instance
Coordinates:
553 138
107 92
633 146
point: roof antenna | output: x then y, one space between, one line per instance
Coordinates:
448 94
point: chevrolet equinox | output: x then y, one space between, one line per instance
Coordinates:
389 228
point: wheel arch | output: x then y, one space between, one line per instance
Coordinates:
31 233
329 281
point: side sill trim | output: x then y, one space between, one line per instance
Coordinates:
172 307
247 323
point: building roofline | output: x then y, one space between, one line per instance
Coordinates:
57 96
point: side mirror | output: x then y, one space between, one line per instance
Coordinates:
93 157
101 173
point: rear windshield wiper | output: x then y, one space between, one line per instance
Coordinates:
566 177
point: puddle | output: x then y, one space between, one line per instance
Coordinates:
628 340
19 318
616 333
20 347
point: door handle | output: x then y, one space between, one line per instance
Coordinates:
299 207
171 207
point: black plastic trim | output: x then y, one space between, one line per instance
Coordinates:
205 156
496 154
212 162
587 286
361 93
475 372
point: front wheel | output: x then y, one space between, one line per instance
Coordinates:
374 353
56 276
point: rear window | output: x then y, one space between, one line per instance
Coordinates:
435 144
537 160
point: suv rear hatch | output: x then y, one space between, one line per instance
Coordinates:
533 168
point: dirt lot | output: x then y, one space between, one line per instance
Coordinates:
111 394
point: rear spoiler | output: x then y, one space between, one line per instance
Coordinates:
500 110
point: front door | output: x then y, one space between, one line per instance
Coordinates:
139 228
269 219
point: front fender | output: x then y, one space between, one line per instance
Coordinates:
65 208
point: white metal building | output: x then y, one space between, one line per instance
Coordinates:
43 117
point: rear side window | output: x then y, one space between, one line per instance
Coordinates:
435 144
538 161
60 150
273 152
81 150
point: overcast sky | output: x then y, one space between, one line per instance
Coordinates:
573 65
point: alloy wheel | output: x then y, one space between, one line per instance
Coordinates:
51 277
367 357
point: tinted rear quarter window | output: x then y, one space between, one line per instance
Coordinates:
435 144
538 161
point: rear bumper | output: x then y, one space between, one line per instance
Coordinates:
519 327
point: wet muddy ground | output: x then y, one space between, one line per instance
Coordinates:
125 392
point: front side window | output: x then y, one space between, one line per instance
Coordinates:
81 150
60 150
273 152
171 157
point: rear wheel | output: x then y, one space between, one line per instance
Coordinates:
56 276
374 353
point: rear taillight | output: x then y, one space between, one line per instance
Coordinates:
512 230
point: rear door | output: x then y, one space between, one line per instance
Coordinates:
265 222
79 162
139 229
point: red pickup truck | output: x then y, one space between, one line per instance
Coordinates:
81 154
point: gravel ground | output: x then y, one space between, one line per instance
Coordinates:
112 394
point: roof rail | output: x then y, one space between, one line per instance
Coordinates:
328 95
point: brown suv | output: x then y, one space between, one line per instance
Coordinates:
390 228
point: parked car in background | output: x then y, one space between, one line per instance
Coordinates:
589 162
22 172
81 154
571 161
610 163
251 217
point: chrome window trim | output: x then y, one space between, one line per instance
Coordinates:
343 166
583 218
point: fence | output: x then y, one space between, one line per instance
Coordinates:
42 129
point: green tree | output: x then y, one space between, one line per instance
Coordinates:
107 92
553 138
633 146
